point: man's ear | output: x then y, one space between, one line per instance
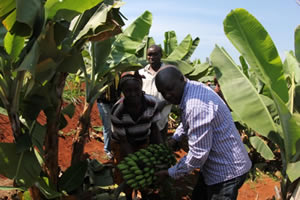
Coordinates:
182 78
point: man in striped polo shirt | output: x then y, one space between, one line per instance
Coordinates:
215 146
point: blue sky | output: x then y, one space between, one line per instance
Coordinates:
204 19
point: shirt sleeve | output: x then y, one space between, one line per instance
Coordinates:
200 142
156 116
179 132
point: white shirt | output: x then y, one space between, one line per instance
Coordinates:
149 87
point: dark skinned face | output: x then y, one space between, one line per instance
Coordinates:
132 91
172 90
153 56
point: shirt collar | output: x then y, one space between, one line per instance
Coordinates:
184 95
147 68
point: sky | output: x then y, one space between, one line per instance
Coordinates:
204 19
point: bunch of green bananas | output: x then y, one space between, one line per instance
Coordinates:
138 169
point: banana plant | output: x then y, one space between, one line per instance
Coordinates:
180 55
38 51
249 105
126 51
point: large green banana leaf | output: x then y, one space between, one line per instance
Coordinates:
241 96
24 167
21 17
261 147
3 32
182 49
170 42
100 52
13 45
101 22
297 43
6 7
297 98
291 131
256 46
182 65
132 39
53 6
293 170
73 177
68 59
244 66
193 47
47 189
38 133
291 67
290 128
201 70
270 105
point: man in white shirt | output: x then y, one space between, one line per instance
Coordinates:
154 54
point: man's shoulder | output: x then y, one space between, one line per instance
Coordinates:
193 95
144 69
193 88
151 100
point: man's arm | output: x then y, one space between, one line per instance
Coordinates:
155 135
173 142
179 132
200 142
161 104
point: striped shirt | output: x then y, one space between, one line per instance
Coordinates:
136 132
215 146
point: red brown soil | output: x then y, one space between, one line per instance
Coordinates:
262 189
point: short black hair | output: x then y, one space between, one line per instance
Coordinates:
155 46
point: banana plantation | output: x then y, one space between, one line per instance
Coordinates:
43 43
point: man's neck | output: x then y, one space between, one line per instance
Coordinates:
155 67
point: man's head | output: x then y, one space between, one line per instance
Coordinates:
154 54
170 83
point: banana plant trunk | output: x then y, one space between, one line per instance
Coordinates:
51 139
35 193
15 123
82 133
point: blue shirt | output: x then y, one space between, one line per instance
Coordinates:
215 146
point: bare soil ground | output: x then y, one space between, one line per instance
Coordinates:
261 189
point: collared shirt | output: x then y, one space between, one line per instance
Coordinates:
149 87
215 146
136 131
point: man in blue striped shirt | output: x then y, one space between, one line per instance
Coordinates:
215 146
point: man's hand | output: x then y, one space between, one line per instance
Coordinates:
161 105
161 175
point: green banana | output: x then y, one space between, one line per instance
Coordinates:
139 177
134 168
138 172
122 166
128 176
138 168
